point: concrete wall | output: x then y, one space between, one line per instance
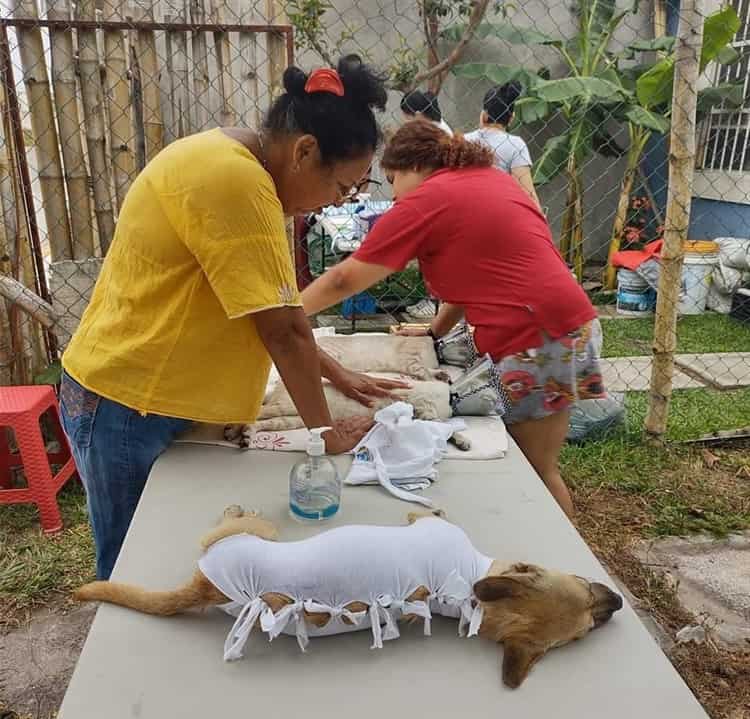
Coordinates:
380 29
71 283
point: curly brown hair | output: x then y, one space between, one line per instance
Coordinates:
422 145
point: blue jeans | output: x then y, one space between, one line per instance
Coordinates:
114 448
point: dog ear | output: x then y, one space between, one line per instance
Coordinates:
517 662
491 589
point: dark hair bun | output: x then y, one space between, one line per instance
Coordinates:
362 85
294 81
511 91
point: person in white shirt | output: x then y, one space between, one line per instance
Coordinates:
424 104
511 153
416 104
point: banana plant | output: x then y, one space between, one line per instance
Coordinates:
593 95
585 98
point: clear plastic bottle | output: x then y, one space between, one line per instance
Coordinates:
314 483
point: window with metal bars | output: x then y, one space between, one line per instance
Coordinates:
727 136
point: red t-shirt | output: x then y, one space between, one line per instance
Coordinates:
482 244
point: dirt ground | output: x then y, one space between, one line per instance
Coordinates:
609 522
39 659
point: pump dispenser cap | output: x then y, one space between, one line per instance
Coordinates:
316 446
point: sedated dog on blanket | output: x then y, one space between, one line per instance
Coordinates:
368 577
431 393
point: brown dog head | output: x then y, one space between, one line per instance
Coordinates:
532 610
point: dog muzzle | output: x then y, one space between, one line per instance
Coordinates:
479 392
457 347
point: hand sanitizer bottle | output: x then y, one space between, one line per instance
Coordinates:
314 483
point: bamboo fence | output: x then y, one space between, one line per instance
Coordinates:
92 99
63 66
42 119
99 90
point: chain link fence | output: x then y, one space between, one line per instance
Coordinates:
92 91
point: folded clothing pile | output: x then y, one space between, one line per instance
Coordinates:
400 452
731 274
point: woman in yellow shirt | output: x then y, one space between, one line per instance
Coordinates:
197 295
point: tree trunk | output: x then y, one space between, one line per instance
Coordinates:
681 165
568 220
577 229
626 186
432 30
17 293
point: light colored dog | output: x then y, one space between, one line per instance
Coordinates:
410 356
390 356
526 608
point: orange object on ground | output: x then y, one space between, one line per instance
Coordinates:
21 408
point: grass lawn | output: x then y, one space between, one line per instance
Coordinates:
700 333
35 569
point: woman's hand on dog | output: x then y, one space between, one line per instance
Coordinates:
365 389
346 434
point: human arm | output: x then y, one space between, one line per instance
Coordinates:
341 281
523 176
390 245
446 319
286 334
358 386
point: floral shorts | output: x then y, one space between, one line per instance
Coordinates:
549 379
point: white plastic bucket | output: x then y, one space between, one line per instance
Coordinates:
634 297
699 263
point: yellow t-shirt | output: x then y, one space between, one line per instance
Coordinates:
200 246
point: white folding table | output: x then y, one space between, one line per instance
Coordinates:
144 667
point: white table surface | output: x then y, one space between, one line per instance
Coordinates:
145 667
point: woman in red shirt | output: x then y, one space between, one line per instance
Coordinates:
486 251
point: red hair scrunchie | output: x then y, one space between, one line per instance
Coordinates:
325 80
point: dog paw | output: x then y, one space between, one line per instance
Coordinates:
461 441
239 434
415 516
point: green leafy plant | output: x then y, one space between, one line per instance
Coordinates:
652 86
598 92
311 32
52 374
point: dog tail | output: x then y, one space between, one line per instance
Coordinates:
199 592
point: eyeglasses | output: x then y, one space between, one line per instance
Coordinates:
352 195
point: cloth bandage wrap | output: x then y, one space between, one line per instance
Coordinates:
380 567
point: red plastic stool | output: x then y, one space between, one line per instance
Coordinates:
21 408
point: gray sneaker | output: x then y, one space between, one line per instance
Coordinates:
424 309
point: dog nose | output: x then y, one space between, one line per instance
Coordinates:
607 603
